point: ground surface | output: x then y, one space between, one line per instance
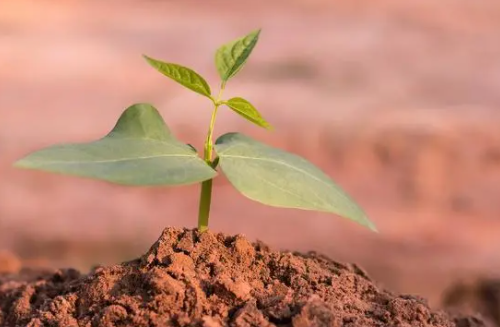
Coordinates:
193 279
398 101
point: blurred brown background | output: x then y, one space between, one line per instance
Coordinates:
397 100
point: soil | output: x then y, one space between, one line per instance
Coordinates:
209 279
481 295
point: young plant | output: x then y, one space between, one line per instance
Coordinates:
141 150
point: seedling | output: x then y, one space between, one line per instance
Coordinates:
141 150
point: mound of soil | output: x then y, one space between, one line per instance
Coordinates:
210 280
481 295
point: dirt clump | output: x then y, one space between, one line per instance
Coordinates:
212 280
481 295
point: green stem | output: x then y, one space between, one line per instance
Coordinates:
205 201
206 186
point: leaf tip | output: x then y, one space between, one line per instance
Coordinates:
255 34
148 59
24 163
371 225
18 164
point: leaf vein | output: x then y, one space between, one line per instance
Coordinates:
281 163
114 160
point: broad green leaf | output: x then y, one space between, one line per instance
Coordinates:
183 75
231 57
277 178
247 111
140 150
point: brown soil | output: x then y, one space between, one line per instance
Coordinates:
480 295
192 279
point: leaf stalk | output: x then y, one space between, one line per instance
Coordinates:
206 186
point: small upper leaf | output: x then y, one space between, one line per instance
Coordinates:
247 111
281 179
183 75
231 57
140 150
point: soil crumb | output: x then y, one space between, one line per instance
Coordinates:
212 280
481 295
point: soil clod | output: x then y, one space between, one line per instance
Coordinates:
481 295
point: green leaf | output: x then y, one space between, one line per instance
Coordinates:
140 150
247 111
231 57
183 75
277 178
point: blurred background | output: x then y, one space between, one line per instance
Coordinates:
398 101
